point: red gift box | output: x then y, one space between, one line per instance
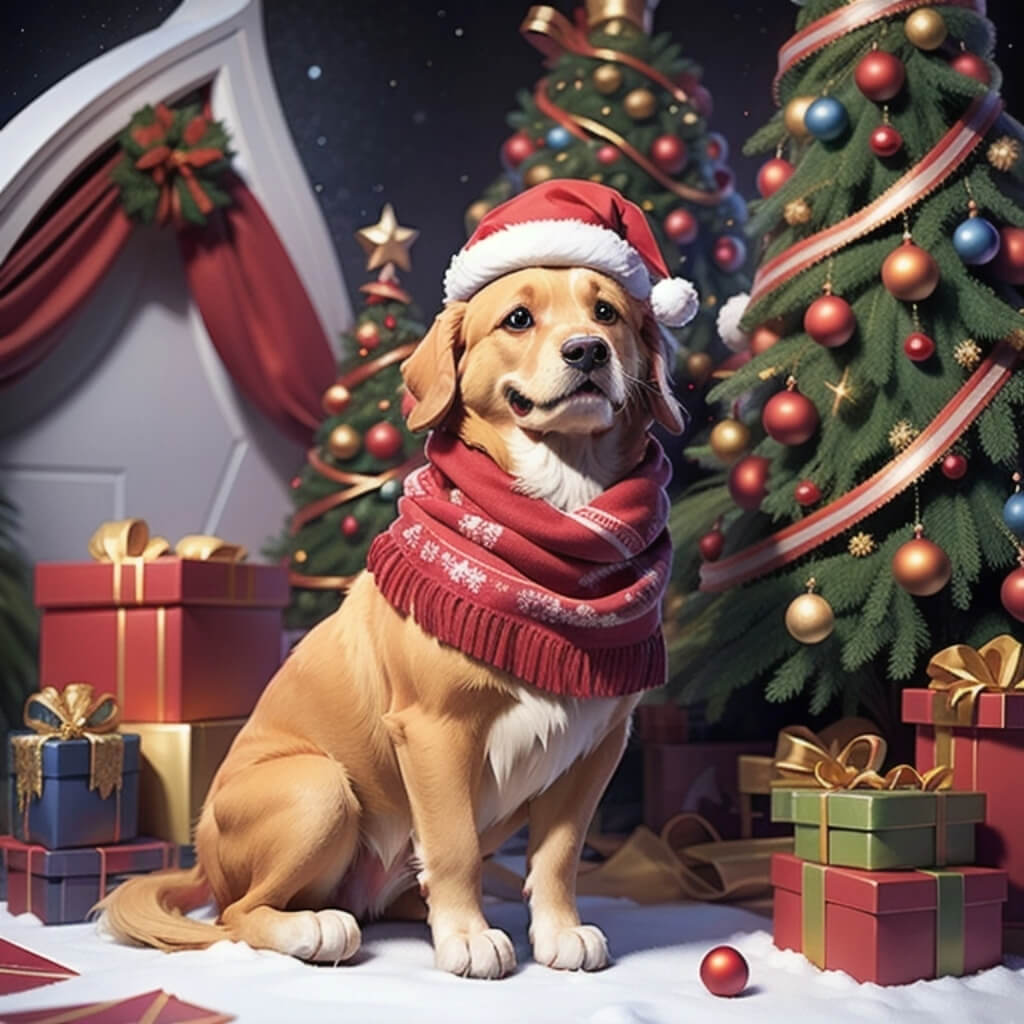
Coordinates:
985 748
180 640
21 970
889 927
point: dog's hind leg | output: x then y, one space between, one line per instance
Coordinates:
275 840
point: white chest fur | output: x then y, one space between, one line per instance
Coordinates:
534 743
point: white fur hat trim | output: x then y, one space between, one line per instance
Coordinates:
729 317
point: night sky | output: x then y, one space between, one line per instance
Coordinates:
405 100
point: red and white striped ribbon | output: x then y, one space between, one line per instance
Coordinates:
854 15
931 445
947 155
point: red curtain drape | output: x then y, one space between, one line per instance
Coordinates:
255 308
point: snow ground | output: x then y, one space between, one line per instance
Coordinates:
654 979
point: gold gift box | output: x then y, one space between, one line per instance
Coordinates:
179 761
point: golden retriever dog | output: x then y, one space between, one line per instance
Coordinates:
381 765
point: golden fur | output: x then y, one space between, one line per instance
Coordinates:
376 751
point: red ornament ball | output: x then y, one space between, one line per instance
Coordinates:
390 322
711 545
1012 594
383 440
880 76
724 971
748 481
702 101
919 347
807 493
954 466
910 273
921 567
765 336
773 175
296 482
829 320
724 179
717 147
669 153
790 417
516 149
681 226
607 155
973 66
729 253
885 141
350 526
1008 265
368 335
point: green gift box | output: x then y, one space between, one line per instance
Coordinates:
881 830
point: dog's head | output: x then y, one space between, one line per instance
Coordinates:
545 351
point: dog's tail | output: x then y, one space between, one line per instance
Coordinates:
150 910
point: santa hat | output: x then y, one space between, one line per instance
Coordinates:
569 223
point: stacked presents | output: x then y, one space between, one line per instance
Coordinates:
903 875
185 643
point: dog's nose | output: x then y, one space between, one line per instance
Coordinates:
585 353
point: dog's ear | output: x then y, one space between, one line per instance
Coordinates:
664 408
429 373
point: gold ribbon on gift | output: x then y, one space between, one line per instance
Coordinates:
799 752
74 713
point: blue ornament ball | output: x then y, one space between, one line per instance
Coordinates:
559 137
1013 514
735 206
976 240
390 490
826 119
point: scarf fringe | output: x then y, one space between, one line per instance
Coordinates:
527 651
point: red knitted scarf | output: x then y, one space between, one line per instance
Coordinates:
567 601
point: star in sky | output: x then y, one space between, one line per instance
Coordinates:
387 241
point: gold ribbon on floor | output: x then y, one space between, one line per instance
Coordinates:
74 713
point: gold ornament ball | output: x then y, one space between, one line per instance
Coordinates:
607 79
797 212
793 116
640 104
926 29
910 273
537 173
368 334
477 211
699 366
729 440
921 567
336 399
809 619
344 441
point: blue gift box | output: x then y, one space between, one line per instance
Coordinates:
69 814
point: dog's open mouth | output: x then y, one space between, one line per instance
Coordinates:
521 405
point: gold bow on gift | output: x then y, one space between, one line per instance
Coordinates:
124 540
72 714
800 755
963 674
902 776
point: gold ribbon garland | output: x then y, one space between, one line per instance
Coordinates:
75 712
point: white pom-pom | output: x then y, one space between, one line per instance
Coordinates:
675 302
729 317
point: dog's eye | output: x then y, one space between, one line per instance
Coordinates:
605 312
518 320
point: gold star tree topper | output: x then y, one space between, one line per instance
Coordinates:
387 241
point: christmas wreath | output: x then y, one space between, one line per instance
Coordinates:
173 159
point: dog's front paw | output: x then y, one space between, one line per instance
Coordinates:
580 948
483 954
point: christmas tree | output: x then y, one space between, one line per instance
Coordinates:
870 515
620 107
346 493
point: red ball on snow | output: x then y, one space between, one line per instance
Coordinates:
973 66
807 493
880 76
724 971
919 347
1012 594
790 417
773 175
748 481
607 155
711 545
954 466
681 226
829 320
885 141
1008 265
516 148
729 253
669 153
383 440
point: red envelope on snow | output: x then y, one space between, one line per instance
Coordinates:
156 1007
21 969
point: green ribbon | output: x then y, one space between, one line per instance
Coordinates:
814 913
949 922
